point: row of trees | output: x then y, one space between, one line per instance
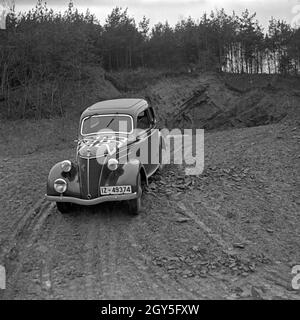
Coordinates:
41 49
227 42
216 42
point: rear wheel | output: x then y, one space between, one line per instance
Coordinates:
63 207
135 205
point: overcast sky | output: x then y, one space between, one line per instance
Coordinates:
174 10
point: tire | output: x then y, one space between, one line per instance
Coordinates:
63 207
135 205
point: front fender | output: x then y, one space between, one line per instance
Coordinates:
72 179
126 174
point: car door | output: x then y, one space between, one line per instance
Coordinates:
147 140
154 145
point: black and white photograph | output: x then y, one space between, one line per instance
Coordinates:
149 151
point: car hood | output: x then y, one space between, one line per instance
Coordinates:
101 146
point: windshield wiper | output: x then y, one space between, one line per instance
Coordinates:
110 122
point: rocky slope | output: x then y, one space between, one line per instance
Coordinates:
213 101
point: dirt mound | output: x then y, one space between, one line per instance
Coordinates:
168 95
58 97
213 101
133 81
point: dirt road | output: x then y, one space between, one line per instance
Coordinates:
231 233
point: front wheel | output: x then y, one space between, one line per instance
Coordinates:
161 160
135 205
63 207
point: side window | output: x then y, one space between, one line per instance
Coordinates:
143 121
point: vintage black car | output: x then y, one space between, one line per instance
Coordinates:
118 148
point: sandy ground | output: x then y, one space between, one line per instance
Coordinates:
231 233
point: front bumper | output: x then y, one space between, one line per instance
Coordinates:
85 202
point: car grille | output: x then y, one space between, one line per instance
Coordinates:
89 172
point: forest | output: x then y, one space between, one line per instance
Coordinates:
43 49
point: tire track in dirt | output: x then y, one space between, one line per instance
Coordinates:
190 212
160 284
65 241
89 260
272 278
48 252
106 255
156 277
215 219
19 227
110 274
53 259
270 275
82 232
73 271
208 231
148 278
120 269
131 273
24 237
83 228
121 276
112 261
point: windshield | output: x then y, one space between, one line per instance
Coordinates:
107 123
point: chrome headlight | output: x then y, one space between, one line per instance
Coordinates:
66 166
60 185
112 164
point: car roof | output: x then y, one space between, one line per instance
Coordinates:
127 106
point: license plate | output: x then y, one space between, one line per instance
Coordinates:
115 190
